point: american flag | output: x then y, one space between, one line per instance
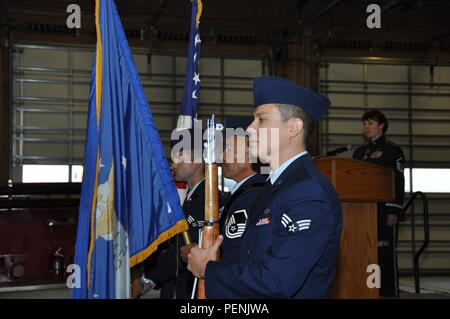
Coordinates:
188 109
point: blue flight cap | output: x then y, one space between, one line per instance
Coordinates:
271 89
235 122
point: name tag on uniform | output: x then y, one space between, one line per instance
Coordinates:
376 154
263 221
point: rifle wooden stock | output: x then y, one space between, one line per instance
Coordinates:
210 232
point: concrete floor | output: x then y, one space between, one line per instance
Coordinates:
431 288
51 292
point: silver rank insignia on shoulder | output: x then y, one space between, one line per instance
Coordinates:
235 224
192 222
295 227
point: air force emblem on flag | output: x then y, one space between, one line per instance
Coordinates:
295 227
235 225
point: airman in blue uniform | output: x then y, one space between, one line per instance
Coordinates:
290 246
383 152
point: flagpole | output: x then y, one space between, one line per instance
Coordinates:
186 238
194 287
188 108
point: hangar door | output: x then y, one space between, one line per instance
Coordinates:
51 90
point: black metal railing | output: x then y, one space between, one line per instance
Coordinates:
426 239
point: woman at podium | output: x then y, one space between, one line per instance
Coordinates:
383 152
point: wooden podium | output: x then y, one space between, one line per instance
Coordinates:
360 186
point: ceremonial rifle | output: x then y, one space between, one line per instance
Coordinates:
210 230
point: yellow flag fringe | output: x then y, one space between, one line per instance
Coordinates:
179 227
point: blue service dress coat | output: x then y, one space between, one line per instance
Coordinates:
291 243
235 214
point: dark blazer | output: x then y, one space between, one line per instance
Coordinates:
291 242
194 211
169 271
235 214
388 154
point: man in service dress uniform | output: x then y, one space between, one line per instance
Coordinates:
168 271
291 242
237 165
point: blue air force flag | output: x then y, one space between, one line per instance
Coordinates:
129 203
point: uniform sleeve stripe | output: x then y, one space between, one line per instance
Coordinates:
303 224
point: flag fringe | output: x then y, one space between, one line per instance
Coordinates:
179 227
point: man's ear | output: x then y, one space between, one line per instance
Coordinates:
295 126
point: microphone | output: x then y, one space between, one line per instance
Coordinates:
340 150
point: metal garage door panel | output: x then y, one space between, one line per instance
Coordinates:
243 68
387 73
387 101
347 100
45 90
431 102
45 58
83 60
345 71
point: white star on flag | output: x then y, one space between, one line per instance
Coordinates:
101 164
196 78
195 56
193 95
197 39
124 162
